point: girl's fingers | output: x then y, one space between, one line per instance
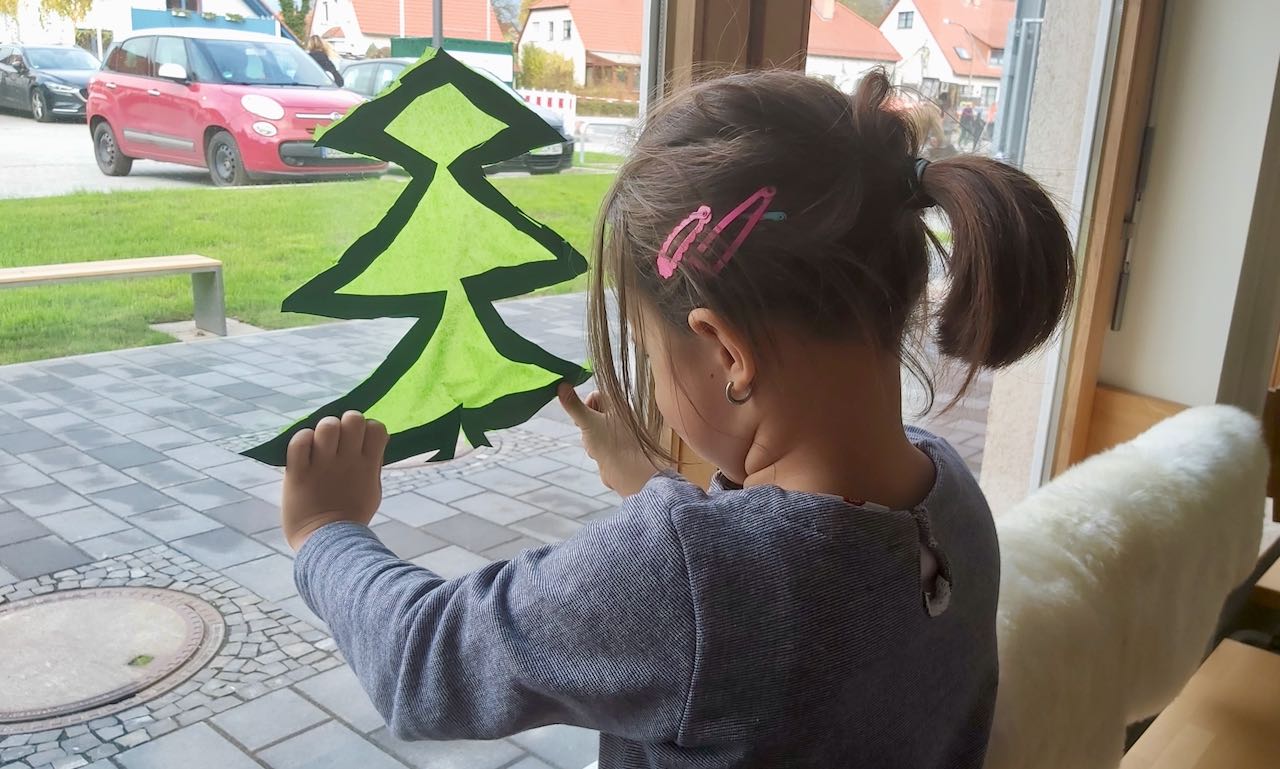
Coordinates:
573 406
375 440
298 454
328 436
353 428
595 401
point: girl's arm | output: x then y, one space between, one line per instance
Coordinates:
595 632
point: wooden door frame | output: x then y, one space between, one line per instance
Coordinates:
708 37
702 38
1132 83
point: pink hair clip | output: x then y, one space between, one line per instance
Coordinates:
757 203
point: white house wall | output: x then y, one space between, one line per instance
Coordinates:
342 14
841 72
572 49
113 15
922 57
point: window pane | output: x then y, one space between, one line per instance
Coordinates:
171 50
359 78
137 56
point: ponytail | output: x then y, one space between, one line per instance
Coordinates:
1010 264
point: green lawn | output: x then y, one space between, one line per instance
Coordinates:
270 239
596 160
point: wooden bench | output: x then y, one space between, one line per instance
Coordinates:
206 280
1227 716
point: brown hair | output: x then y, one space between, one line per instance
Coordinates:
317 44
850 260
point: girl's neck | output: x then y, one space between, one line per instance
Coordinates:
836 428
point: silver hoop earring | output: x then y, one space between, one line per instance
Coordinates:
728 394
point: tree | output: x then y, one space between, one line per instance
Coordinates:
525 7
9 8
449 247
508 13
294 15
545 70
75 10
871 10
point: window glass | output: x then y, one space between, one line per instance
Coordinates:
387 74
359 78
254 63
135 56
906 19
568 29
201 70
171 50
60 58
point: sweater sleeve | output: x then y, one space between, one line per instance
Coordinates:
595 632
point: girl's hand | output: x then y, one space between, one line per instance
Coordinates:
623 464
332 473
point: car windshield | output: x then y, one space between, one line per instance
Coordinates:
60 58
497 80
248 62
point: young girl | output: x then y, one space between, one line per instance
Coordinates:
831 601
320 51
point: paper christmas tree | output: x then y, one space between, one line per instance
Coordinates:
449 247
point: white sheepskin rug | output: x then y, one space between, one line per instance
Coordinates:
1113 577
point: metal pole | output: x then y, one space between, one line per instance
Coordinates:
652 39
437 23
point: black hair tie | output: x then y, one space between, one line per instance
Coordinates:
915 184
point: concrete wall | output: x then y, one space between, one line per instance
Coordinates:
1054 134
1213 103
535 33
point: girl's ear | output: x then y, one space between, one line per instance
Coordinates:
733 356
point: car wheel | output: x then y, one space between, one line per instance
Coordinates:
111 161
40 106
226 167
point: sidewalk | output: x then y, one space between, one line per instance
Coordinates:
121 469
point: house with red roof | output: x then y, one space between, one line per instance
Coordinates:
843 45
600 37
950 46
353 26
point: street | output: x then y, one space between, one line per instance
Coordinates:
44 159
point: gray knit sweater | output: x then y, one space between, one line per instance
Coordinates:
739 628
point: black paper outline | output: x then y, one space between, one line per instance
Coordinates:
364 131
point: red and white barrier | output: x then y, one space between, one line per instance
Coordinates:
563 104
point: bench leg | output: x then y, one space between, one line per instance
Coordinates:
210 303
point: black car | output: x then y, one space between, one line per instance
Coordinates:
370 77
48 80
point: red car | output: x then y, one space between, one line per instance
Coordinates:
244 105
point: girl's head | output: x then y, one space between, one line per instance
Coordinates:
839 258
317 44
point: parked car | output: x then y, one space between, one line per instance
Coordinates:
242 104
48 80
372 76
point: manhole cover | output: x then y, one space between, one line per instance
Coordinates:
75 656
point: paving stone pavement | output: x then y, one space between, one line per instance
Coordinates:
122 468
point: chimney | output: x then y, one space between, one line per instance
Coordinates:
825 8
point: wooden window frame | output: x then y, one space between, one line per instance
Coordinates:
1132 83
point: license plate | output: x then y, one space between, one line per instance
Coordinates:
550 149
330 152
